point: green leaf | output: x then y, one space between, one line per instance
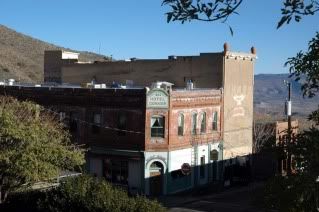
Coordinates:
169 17
282 21
231 30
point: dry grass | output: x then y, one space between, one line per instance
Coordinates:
21 56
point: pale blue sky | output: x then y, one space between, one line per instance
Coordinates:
138 28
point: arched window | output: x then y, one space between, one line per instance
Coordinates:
157 126
214 155
180 124
194 123
215 121
203 123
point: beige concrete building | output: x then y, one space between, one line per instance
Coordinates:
232 72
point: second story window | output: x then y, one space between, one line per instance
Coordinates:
96 122
203 123
121 123
180 124
215 121
73 123
157 126
194 123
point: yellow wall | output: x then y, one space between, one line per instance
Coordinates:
238 106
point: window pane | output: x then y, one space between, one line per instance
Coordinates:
97 118
116 171
194 123
203 123
215 118
180 124
157 127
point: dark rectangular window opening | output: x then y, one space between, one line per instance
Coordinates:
215 121
157 126
194 124
96 127
116 171
73 123
121 124
180 125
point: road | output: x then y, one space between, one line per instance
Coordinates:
238 199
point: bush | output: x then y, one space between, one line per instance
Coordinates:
81 194
291 194
86 193
26 201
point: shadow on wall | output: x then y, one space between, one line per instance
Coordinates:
220 174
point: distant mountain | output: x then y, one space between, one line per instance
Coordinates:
21 56
270 94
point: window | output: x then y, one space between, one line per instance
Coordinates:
194 123
214 155
121 123
97 118
73 123
157 126
96 122
202 167
180 124
62 115
203 123
215 121
116 171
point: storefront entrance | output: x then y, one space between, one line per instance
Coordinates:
156 179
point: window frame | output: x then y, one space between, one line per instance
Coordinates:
157 134
194 124
121 123
96 125
180 126
215 121
203 117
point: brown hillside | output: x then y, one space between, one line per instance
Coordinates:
21 56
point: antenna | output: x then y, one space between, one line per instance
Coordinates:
100 47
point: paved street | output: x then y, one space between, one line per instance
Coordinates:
235 199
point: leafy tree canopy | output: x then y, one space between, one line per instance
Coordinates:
214 10
304 67
33 146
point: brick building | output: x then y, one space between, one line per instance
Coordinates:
153 141
233 72
157 139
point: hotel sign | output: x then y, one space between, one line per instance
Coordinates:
157 98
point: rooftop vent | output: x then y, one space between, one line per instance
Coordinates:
172 57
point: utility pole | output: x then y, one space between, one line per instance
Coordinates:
289 130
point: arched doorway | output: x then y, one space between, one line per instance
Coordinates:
214 158
156 178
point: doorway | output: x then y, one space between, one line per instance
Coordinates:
156 179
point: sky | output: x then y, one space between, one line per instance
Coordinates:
138 28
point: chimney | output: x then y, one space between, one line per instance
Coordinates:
253 50
226 47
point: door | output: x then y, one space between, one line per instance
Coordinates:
156 179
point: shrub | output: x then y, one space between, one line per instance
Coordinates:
81 194
86 193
